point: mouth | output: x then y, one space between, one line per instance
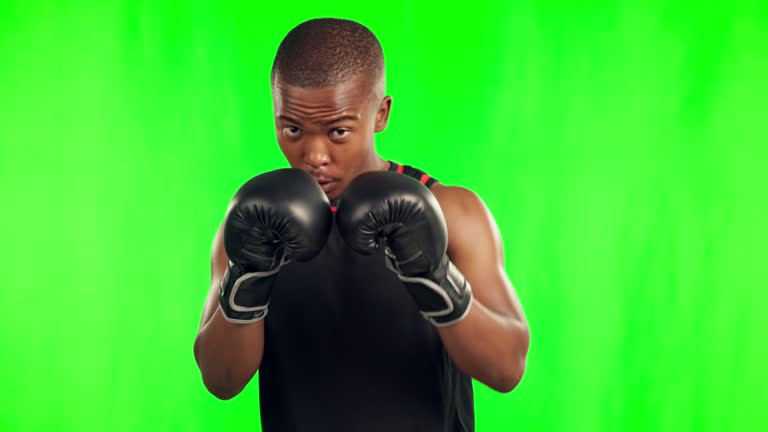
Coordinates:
326 184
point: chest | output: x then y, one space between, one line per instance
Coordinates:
350 303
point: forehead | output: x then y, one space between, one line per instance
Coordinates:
351 94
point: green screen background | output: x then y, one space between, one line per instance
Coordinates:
620 145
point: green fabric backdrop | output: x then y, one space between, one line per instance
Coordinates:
620 145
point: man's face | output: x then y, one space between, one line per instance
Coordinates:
328 132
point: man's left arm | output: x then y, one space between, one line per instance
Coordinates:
491 342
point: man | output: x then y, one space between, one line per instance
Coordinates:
365 292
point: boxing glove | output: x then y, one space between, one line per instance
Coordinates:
394 211
273 219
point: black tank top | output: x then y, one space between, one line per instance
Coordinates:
346 349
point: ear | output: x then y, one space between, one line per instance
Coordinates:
382 114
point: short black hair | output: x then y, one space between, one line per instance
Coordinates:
324 52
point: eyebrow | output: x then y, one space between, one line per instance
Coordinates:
326 123
340 119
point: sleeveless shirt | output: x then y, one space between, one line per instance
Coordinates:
346 349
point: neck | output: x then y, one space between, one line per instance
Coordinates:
376 163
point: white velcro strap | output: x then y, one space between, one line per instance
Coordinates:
258 317
434 287
244 278
391 264
454 321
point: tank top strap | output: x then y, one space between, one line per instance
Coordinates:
408 170
416 173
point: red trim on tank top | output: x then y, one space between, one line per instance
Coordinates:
424 178
400 169
333 209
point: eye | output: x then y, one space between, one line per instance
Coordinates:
340 133
291 131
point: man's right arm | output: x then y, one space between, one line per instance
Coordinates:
227 354
273 219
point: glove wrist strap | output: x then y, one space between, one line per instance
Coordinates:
444 297
244 296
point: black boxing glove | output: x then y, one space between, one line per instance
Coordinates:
394 211
274 218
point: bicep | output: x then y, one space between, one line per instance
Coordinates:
475 248
219 260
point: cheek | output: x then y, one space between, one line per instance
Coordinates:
348 154
292 152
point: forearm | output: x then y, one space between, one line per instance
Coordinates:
489 347
228 354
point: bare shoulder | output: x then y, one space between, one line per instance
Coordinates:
460 203
466 216
475 247
456 198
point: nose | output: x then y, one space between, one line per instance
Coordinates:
316 155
